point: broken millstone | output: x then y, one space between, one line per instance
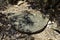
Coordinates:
27 22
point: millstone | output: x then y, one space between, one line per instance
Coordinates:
27 22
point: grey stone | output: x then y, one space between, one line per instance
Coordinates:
28 22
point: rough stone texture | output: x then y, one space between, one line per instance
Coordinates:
12 34
28 22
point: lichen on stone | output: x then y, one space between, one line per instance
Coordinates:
28 22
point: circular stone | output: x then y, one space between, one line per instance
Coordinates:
27 22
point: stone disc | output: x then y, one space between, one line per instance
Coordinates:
27 22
